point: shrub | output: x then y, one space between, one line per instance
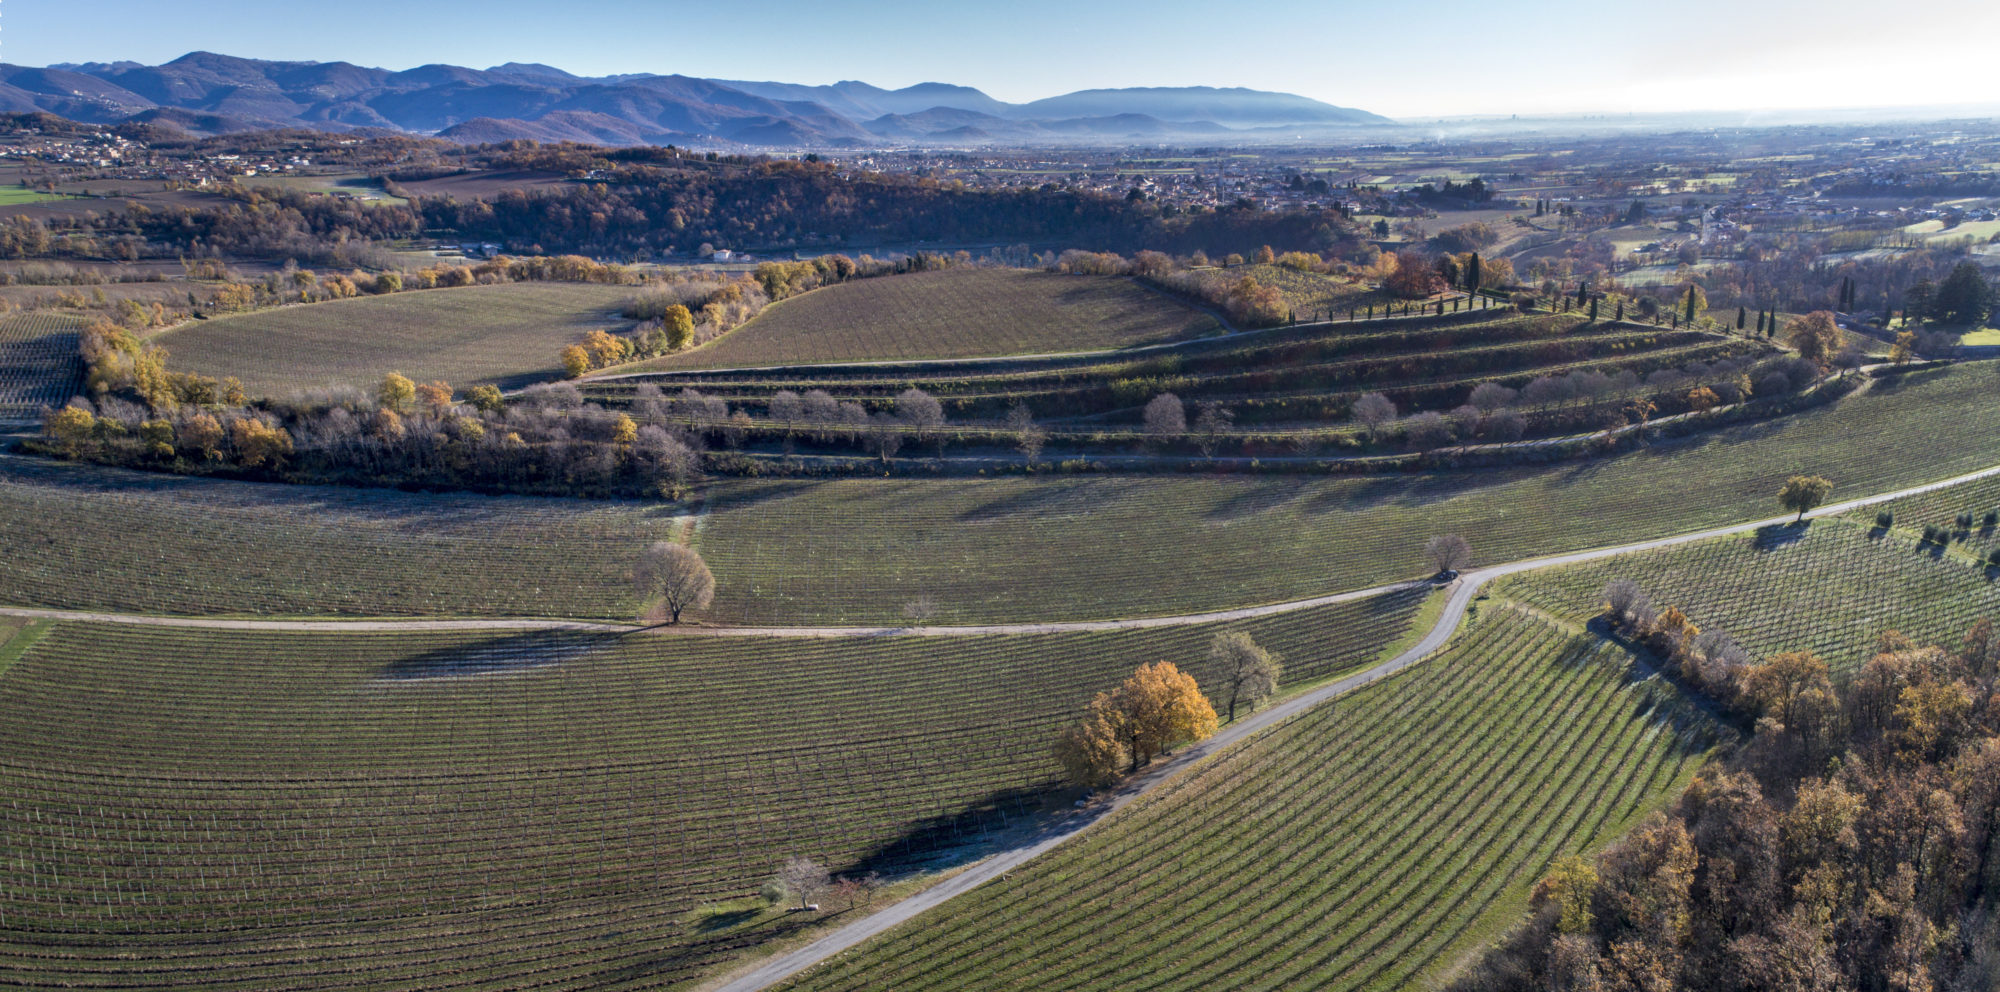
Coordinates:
1885 520
1965 520
1991 520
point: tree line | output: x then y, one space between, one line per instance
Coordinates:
1853 843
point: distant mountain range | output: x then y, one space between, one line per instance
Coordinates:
206 93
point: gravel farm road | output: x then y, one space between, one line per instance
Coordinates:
769 972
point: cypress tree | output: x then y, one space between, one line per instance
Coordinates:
1621 310
1690 305
1593 311
1742 317
1473 274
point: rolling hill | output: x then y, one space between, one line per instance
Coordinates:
205 92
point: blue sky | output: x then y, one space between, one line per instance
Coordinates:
1427 59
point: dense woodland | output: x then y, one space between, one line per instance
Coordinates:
1853 843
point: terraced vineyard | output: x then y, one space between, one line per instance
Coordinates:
1009 549
243 809
1830 588
1308 375
1083 546
1364 845
509 335
40 363
956 313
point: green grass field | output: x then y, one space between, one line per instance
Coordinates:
961 313
203 809
1983 337
1831 588
40 364
509 335
14 196
1365 845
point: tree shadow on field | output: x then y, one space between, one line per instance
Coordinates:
1256 498
1896 382
1772 537
959 836
1043 498
750 494
500 655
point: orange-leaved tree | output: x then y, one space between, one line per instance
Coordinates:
1158 707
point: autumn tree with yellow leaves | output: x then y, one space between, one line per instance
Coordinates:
1157 708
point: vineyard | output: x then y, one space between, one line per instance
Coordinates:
988 549
41 363
81 537
509 335
1830 588
1364 845
1960 510
999 549
957 313
1308 375
243 806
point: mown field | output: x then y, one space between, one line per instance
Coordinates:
958 313
509 335
1831 587
415 810
1365 845
855 550
40 364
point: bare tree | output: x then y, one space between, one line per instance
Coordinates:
1165 416
1211 427
885 436
924 414
1028 435
1449 552
787 409
921 609
1249 673
1491 396
675 578
805 879
664 458
1373 411
1428 430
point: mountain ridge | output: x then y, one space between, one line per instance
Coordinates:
207 92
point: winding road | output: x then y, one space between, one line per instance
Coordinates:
1460 594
